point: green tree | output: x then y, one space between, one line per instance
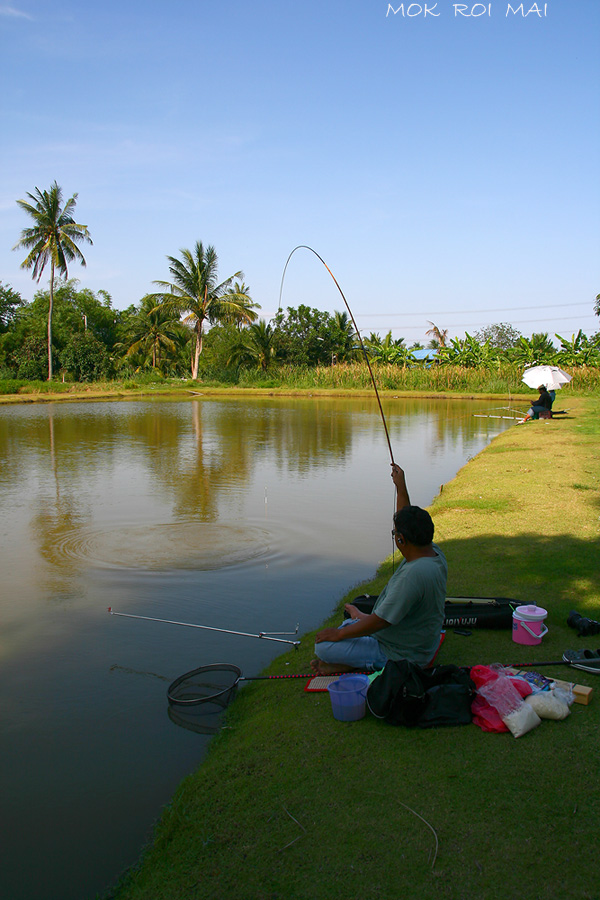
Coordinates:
10 302
153 332
196 294
76 313
52 238
386 350
304 336
85 357
345 339
29 359
256 347
243 312
501 335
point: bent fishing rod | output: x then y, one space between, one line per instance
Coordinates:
362 346
267 636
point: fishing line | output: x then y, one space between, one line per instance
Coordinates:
306 247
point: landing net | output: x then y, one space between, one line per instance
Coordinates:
216 683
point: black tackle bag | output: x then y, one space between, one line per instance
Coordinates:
406 694
461 612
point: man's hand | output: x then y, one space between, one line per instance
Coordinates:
353 612
328 634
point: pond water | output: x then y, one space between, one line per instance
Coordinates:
248 515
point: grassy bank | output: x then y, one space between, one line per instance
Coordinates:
292 804
503 382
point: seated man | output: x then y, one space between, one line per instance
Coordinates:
542 405
408 615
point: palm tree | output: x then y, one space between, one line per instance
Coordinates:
195 294
256 346
387 350
153 331
439 337
346 343
53 238
238 316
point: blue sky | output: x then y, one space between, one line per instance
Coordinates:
444 166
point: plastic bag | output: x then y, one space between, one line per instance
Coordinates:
486 717
503 699
549 704
502 692
522 719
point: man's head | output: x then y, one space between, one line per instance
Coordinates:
413 524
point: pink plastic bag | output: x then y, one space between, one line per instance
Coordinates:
497 694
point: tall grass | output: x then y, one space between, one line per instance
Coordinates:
504 379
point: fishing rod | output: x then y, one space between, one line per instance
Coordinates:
481 416
268 636
306 247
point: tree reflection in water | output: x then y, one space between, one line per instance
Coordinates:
158 508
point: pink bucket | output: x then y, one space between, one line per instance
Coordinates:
528 624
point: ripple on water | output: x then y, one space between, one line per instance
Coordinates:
168 546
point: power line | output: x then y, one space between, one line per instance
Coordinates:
463 312
480 324
539 320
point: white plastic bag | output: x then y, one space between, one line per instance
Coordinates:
522 719
549 704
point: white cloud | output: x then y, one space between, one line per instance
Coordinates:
12 13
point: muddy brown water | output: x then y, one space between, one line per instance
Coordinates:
249 515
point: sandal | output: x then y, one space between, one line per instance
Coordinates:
586 660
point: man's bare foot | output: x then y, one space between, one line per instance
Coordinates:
322 668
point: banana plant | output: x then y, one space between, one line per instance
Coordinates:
579 351
387 350
533 351
468 352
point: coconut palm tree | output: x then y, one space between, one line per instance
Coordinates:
439 336
346 343
196 294
237 316
256 346
154 331
52 238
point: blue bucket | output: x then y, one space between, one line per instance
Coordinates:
348 697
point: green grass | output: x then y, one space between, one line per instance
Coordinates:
292 804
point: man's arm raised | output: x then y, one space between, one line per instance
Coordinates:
402 498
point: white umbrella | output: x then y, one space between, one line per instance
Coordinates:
551 377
